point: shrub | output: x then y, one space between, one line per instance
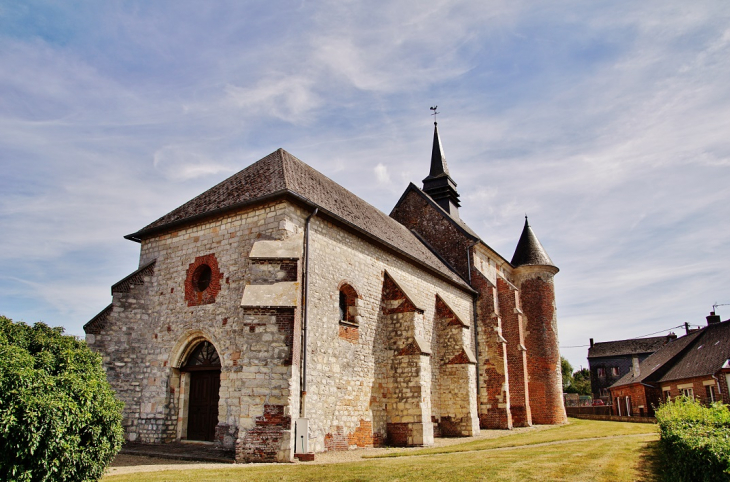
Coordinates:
59 419
695 440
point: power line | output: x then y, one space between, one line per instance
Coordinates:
642 336
661 331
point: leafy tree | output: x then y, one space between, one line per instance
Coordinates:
567 370
578 382
582 382
59 418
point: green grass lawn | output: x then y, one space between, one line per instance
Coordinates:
627 452
575 430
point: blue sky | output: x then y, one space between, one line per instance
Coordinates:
606 122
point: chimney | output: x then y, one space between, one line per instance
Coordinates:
713 318
637 370
671 336
591 342
686 328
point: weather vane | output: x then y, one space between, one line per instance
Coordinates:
434 113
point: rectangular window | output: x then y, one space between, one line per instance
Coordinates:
710 392
601 372
688 392
666 395
614 371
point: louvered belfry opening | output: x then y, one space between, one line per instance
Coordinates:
204 366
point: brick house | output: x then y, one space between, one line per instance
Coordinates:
695 365
278 313
608 361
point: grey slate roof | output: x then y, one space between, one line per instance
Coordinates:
708 353
438 158
654 365
529 251
700 353
280 173
634 346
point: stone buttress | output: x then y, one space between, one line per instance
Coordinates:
408 409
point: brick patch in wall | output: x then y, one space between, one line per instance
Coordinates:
349 333
263 442
398 434
445 313
336 441
460 359
362 436
194 297
450 427
392 293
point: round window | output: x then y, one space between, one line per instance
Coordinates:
202 277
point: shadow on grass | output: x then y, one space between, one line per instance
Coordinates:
649 468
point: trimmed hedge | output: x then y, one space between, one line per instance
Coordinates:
59 418
695 440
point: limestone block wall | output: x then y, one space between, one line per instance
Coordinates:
457 406
347 397
150 330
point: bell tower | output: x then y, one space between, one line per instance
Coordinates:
439 184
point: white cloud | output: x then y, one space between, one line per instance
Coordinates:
182 163
381 173
290 98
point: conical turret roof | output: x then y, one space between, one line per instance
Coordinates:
529 251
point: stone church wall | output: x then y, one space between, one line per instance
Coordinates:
352 380
152 327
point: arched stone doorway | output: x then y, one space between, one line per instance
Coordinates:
204 369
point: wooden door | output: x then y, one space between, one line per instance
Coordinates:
203 408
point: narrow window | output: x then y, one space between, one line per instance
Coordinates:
601 372
343 306
666 395
710 392
348 305
614 371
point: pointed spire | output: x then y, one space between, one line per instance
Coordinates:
439 184
529 251
438 159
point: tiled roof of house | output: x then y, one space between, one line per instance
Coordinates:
657 363
280 173
634 346
710 350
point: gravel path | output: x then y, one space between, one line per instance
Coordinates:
129 464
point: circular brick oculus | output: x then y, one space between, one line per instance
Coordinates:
202 277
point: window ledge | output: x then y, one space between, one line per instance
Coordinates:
349 323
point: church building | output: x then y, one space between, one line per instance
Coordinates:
278 313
